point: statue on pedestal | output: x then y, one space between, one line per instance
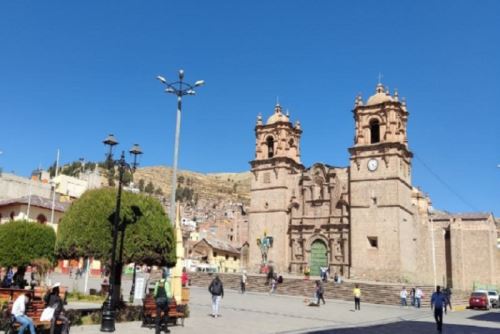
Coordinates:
264 244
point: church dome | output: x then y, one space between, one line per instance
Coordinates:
278 116
379 97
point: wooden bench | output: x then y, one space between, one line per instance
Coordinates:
34 310
175 311
11 294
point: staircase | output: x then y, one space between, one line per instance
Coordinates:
371 292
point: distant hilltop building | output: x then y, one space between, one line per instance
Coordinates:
364 221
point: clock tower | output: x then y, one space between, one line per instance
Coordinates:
382 219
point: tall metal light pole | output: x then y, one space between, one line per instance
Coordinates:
178 88
109 305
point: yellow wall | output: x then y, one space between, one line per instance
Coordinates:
229 265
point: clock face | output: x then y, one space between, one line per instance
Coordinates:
372 165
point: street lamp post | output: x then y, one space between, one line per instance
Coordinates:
109 305
178 88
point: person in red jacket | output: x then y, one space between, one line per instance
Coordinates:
184 277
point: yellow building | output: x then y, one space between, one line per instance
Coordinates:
216 253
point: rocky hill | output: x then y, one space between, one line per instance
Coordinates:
217 187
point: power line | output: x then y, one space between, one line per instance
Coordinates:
446 185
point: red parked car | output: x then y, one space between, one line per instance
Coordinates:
479 300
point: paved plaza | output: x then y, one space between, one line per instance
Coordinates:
261 313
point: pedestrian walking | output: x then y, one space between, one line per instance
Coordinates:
162 294
19 313
418 297
447 295
243 282
274 282
319 292
357 297
402 295
70 272
216 289
438 302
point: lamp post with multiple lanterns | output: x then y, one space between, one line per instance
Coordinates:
109 305
179 88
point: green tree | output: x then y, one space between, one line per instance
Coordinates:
141 185
158 191
21 242
86 231
127 177
150 188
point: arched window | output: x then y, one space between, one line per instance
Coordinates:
374 131
270 147
41 219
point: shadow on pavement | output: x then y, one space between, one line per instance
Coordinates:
410 327
493 316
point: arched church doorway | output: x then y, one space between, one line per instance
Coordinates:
319 257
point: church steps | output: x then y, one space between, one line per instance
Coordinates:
375 293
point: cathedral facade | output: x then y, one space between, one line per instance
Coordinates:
366 220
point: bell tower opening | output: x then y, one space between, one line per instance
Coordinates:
374 131
270 147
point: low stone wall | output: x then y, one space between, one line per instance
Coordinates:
376 293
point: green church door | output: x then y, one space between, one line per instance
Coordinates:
319 257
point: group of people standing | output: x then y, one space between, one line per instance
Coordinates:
416 295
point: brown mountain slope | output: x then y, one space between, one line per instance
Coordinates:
233 187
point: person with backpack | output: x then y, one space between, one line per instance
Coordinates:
161 294
216 289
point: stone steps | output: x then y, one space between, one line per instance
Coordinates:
375 293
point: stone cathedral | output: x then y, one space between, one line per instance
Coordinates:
366 220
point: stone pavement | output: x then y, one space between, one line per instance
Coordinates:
261 313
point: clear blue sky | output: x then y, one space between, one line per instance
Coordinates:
70 73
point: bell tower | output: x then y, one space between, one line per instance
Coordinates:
382 220
277 160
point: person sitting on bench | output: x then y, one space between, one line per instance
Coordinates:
52 299
19 313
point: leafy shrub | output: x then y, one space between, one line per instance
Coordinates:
85 230
22 243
